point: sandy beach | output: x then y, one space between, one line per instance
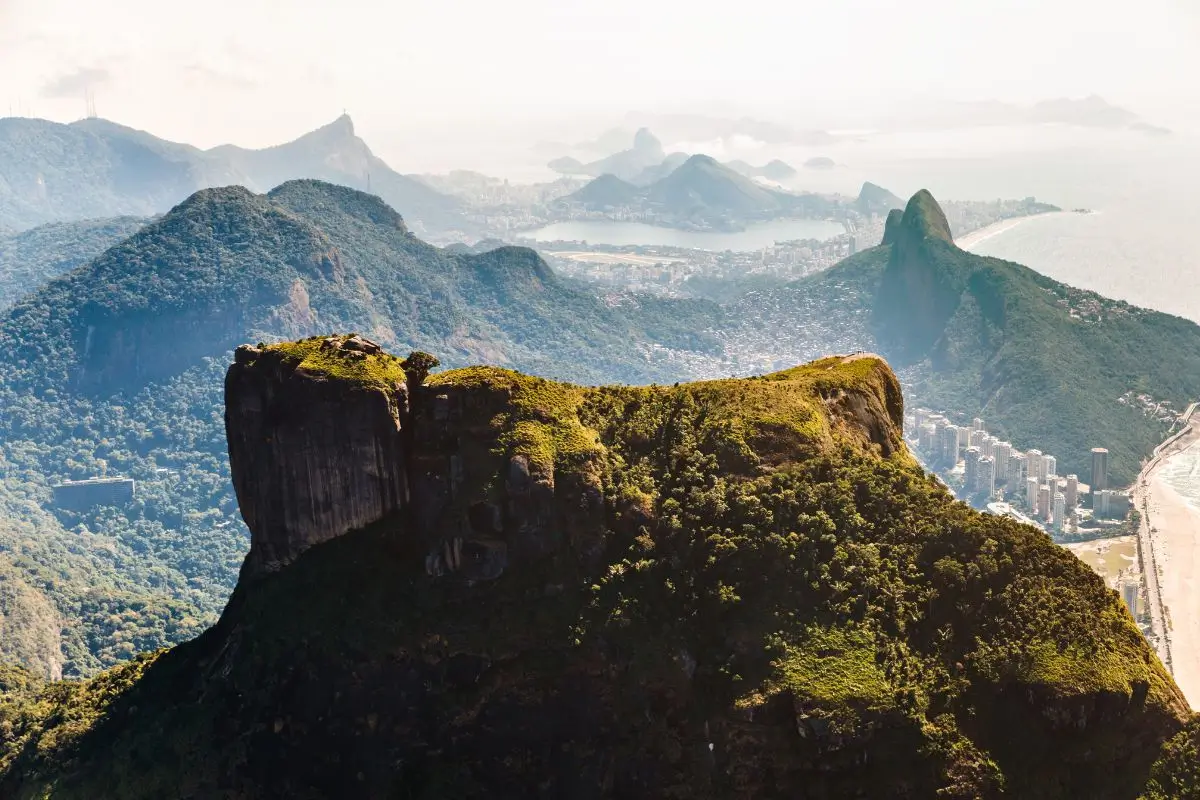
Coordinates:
1171 528
975 238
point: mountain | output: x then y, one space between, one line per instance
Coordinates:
29 259
990 338
873 199
493 585
700 191
113 370
820 162
704 183
605 191
627 164
568 165
649 175
96 168
775 170
29 626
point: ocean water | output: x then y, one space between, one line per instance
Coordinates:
1142 244
753 237
1182 473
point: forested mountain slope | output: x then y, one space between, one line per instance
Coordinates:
516 587
115 370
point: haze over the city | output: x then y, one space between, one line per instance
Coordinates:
415 75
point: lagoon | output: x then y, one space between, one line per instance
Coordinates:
754 237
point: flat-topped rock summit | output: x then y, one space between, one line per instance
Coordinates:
327 436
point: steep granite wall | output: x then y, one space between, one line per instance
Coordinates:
312 456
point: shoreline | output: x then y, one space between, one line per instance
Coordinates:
981 235
1169 555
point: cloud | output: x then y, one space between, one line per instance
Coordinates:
201 73
75 83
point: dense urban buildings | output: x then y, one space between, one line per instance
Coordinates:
82 495
1099 468
991 473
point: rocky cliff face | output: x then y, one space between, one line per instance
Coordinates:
513 587
311 456
315 454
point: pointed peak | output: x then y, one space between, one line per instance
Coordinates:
645 140
340 129
702 159
891 228
874 199
924 218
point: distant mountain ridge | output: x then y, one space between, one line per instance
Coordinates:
702 190
645 153
96 168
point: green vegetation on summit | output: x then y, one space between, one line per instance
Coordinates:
733 589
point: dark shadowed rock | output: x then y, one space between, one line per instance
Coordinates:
311 457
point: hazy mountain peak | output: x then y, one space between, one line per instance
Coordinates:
315 198
646 142
874 199
340 130
891 228
116 170
700 159
925 218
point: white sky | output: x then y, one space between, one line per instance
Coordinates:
258 72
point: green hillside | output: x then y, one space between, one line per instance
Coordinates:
732 589
115 370
1044 363
31 258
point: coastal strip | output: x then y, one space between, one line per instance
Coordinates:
1168 535
978 237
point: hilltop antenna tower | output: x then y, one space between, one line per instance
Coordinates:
89 100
